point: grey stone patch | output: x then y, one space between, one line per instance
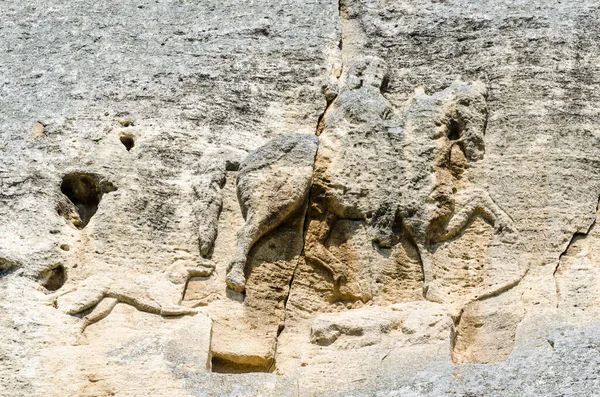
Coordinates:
569 367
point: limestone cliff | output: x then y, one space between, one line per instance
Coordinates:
300 198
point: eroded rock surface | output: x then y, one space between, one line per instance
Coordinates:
299 198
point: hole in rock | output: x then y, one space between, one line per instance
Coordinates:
53 279
224 366
85 192
128 141
7 267
454 130
385 85
126 123
232 165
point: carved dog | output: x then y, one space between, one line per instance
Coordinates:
157 294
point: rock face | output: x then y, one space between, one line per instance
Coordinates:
301 198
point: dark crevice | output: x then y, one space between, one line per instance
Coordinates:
485 121
232 165
454 130
318 130
385 84
320 120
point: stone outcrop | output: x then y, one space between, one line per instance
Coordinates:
299 198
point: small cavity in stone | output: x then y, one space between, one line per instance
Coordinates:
224 366
128 141
85 192
126 123
453 130
53 279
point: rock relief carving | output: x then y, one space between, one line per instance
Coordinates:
153 293
380 166
272 184
389 169
156 293
407 168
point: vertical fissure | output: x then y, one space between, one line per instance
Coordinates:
576 236
305 222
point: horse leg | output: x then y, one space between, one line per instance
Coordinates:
479 203
247 236
427 268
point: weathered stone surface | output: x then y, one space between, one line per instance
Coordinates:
273 183
299 198
129 353
577 274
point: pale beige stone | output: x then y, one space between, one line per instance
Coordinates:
299 198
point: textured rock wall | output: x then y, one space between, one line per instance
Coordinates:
299 198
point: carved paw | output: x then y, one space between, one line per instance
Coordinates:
236 280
